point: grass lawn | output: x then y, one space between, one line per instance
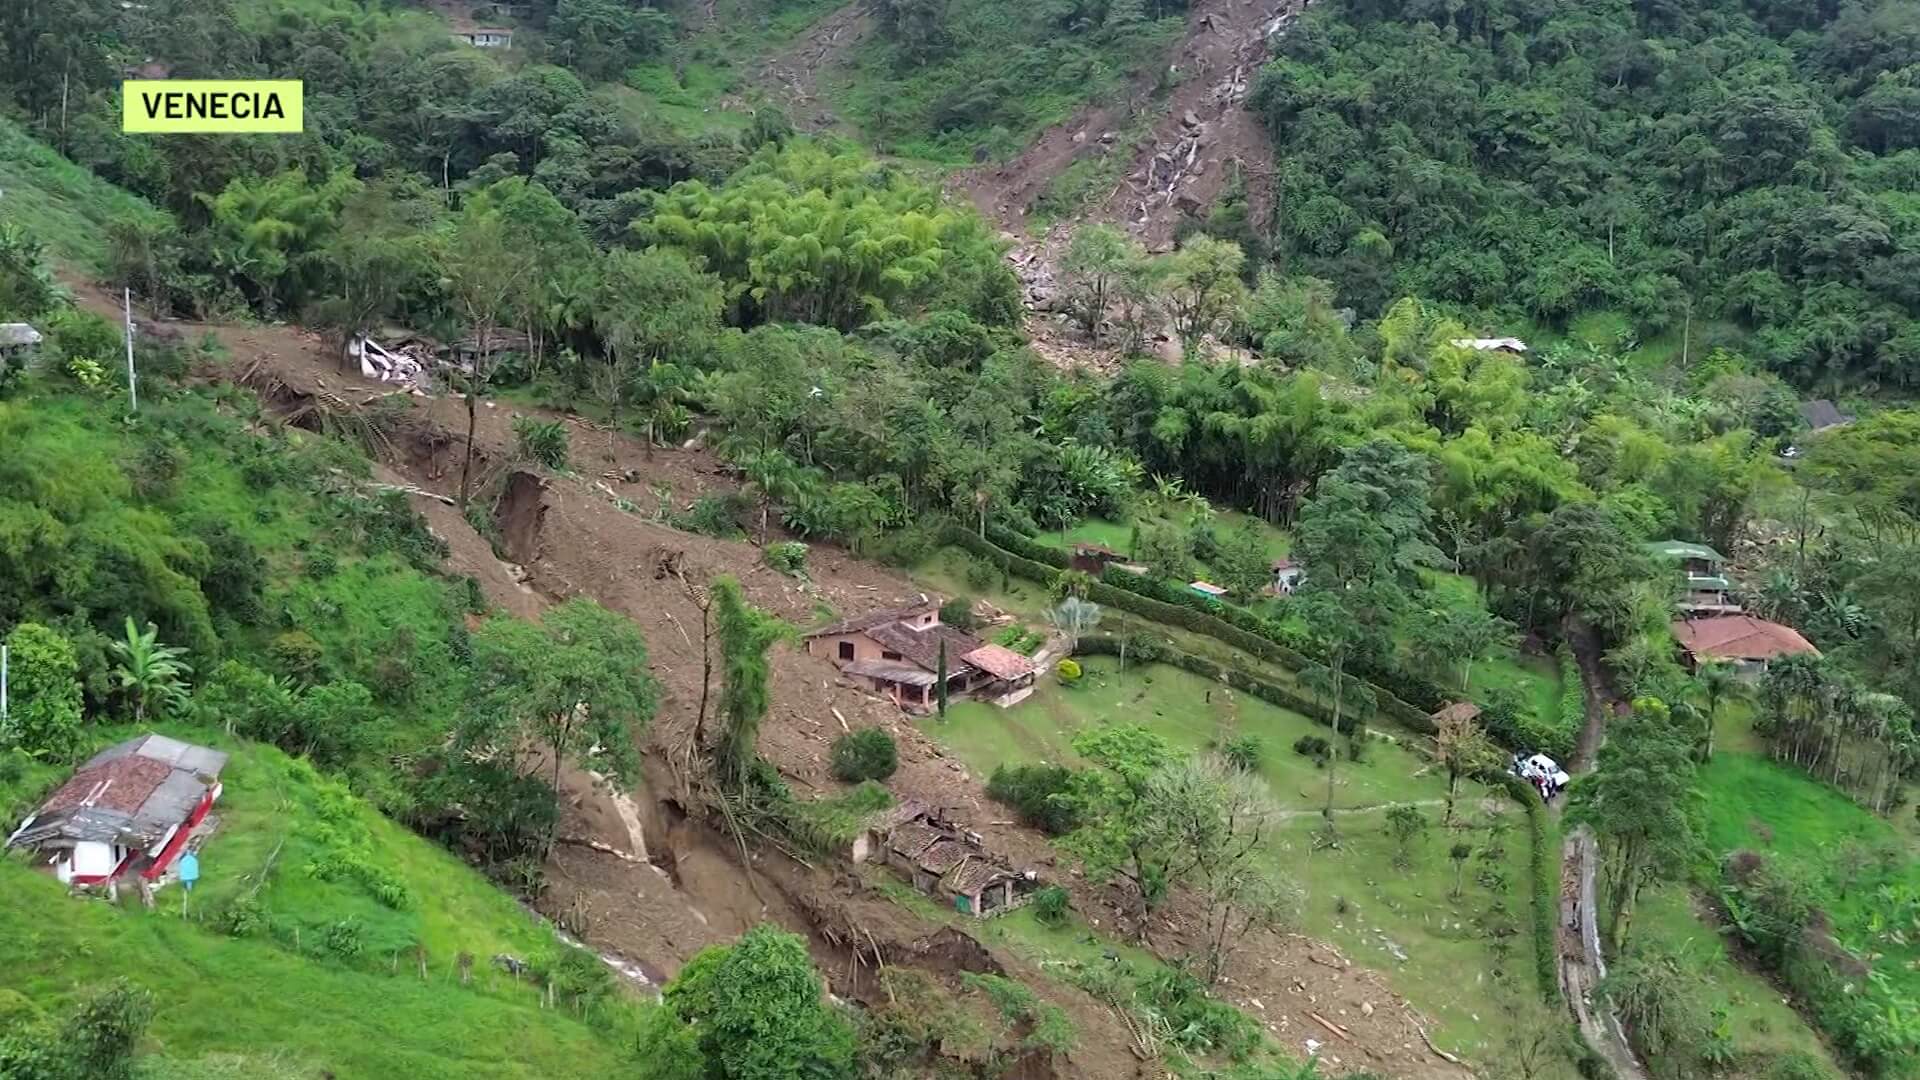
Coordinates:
61 204
1763 1024
1459 960
945 574
1537 678
1356 897
1192 713
1861 866
308 1008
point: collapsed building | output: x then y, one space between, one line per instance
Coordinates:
944 860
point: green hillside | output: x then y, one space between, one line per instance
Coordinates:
66 206
322 965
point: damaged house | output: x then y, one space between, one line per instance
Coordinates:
129 810
944 861
897 652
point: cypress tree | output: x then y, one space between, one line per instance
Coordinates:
941 677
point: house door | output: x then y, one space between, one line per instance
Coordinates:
846 650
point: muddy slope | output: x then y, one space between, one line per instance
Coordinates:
640 878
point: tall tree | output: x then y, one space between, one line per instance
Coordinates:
381 256
44 710
1463 749
574 687
1643 808
1204 276
1216 821
656 312
1120 826
488 275
1097 257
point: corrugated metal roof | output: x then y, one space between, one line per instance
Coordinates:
131 792
18 333
1681 549
170 751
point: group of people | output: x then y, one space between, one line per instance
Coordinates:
1542 772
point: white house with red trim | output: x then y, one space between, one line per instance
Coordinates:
128 810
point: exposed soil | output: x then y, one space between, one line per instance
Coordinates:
792 75
1202 137
658 897
1202 141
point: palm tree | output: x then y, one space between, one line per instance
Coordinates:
1718 682
774 478
150 674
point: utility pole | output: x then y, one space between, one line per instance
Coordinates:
133 394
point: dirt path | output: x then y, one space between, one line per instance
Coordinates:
1582 963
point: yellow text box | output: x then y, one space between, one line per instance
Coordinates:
211 106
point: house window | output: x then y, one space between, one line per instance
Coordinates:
846 650
888 654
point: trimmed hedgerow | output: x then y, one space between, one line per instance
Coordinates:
1543 871
1186 615
1573 692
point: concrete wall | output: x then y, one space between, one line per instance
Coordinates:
828 648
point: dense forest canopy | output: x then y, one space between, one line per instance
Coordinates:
1737 162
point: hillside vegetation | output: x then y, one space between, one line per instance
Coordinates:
265 944
1746 162
1696 213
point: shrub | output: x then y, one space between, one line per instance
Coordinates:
1030 791
980 574
1313 746
958 613
44 720
867 754
907 547
788 557
1068 669
712 515
298 655
544 441
1050 905
1573 697
1244 752
345 939
1795 1065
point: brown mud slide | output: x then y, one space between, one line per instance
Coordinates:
642 875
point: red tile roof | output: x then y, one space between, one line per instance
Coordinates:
1740 637
873 618
128 781
999 662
